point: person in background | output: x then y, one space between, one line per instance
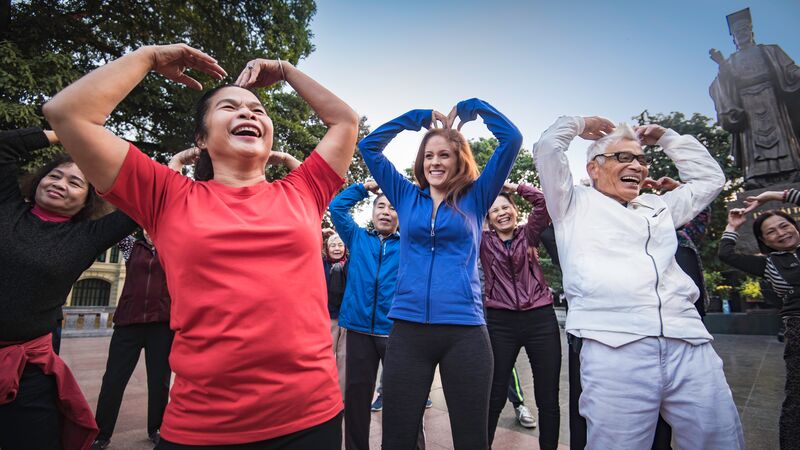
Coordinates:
336 264
41 404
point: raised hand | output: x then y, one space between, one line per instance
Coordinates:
716 56
509 187
184 158
438 120
328 232
662 184
736 217
451 119
650 134
596 127
753 202
262 73
172 61
372 186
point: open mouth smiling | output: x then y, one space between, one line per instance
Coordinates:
246 130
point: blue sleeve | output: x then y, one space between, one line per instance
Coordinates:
491 180
393 184
340 208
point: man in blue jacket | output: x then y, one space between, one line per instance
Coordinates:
371 284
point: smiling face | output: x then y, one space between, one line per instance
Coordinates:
384 217
617 180
235 126
503 215
439 163
335 248
779 234
63 190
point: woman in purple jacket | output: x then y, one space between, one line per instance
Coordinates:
519 307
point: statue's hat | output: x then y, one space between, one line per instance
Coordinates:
739 16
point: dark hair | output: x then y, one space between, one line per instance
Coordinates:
204 168
760 234
93 206
510 199
375 202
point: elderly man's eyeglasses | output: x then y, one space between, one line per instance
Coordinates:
628 157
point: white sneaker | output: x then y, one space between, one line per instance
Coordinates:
524 416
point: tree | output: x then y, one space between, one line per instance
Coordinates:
718 142
523 171
46 44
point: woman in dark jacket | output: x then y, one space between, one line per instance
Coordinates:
778 238
47 239
519 307
141 322
335 262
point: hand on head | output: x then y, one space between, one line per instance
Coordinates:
596 127
172 61
261 73
328 232
372 186
736 217
509 187
650 134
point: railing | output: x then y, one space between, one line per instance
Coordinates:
81 321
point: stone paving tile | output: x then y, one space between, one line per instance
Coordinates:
753 367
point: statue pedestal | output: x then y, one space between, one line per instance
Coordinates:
747 242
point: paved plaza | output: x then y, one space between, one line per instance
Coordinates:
753 365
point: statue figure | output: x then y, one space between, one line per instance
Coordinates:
757 98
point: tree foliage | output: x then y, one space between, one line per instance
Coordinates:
523 171
47 44
718 142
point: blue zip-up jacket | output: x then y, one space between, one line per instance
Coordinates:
438 278
372 275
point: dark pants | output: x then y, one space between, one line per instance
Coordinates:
662 440
537 331
464 357
127 343
790 411
515 395
325 436
32 421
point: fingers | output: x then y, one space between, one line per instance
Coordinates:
249 74
451 117
188 81
198 60
460 124
439 120
649 183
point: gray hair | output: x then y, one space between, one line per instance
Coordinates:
623 132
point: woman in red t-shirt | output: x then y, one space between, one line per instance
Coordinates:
248 309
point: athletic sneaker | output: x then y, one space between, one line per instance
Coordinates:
428 403
377 405
524 416
100 444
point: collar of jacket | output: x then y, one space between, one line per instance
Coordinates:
395 235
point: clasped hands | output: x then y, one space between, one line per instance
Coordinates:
439 120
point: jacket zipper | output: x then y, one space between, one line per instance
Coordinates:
430 270
509 253
377 278
655 267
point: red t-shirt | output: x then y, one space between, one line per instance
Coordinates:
252 350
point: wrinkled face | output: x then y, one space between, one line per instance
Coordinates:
384 217
440 162
742 33
63 190
237 126
617 180
779 234
335 248
502 215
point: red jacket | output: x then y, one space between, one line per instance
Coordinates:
513 276
145 298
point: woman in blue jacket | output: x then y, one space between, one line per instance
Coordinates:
437 311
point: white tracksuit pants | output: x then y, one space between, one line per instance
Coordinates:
625 388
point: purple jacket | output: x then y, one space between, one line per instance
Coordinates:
145 298
513 276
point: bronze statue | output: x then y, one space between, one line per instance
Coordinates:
757 98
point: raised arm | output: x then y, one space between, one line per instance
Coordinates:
752 264
494 174
538 220
392 182
14 144
700 173
549 154
339 143
340 211
78 113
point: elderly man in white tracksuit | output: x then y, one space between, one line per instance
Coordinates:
644 348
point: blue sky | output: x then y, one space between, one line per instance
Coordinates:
533 60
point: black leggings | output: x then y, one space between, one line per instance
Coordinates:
537 331
32 421
464 356
325 436
790 411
